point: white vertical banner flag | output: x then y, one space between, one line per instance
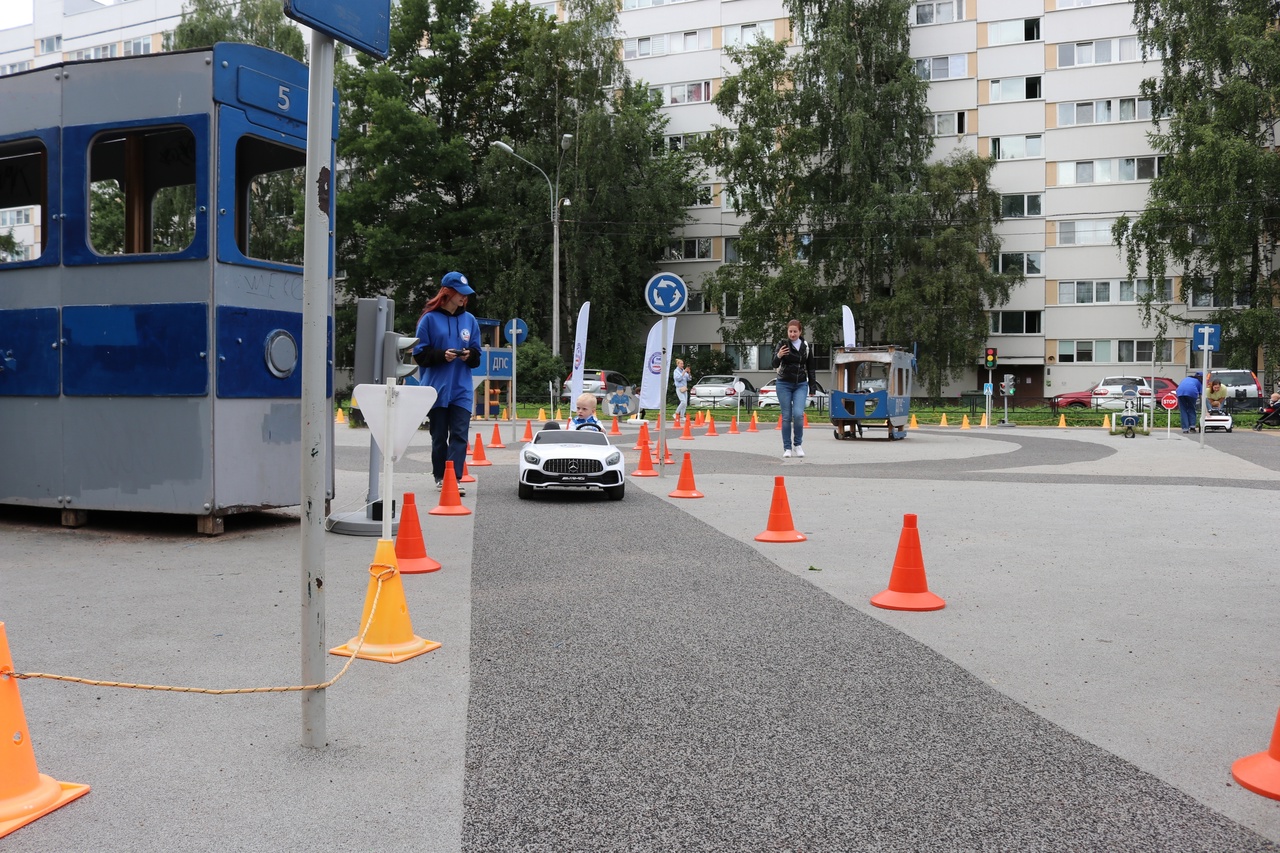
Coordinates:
657 354
579 355
850 333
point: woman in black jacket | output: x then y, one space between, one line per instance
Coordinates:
794 364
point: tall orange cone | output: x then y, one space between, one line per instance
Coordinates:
780 528
390 636
496 441
984 420
341 418
1062 421
685 487
477 450
914 424
643 440
466 474
646 463
908 589
733 426
26 794
528 431
686 434
711 426
411 551
450 500
1259 772
753 426
613 430
943 422
1106 422
964 422
542 414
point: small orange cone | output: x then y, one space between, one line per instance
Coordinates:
806 420
643 440
686 434
1259 772
666 447
646 463
943 422
477 449
913 424
1062 421
503 416
528 431
496 441
341 418
777 426
675 421
908 589
557 413
700 421
466 474
613 430
780 528
450 500
542 414
26 794
1106 422
984 420
964 422
753 426
733 426
411 551
711 426
685 487
390 636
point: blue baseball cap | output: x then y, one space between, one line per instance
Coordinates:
458 282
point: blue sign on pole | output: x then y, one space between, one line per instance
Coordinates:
495 363
515 331
1208 336
666 294
363 24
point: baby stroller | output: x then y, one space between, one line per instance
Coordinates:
1270 415
1217 417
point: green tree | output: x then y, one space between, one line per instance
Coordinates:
8 245
828 159
261 22
1213 209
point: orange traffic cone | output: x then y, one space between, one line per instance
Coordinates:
753 426
613 430
542 414
466 474
26 794
733 426
686 433
908 589
711 426
528 431
341 418
675 421
666 448
450 500
913 424
964 422
1062 421
411 551
389 637
700 421
777 427
496 441
643 440
943 422
646 463
1106 422
780 528
984 420
685 487
477 450
806 420
1259 772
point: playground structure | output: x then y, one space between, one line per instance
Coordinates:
872 389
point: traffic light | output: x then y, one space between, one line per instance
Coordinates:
393 346
990 359
1008 385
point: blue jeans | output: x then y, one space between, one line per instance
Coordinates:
1187 411
449 427
791 400
682 394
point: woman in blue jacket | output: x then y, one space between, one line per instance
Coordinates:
448 349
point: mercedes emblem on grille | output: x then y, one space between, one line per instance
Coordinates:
573 467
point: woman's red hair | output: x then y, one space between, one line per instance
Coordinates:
434 302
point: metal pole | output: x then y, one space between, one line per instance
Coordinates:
388 439
555 263
317 234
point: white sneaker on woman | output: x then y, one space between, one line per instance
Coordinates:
799 450
786 454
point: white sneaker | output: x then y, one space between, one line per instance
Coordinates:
786 454
799 450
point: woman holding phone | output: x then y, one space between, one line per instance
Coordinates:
448 349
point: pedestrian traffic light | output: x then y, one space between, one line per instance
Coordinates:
394 345
990 362
1008 385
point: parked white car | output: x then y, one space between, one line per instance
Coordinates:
581 458
818 396
724 392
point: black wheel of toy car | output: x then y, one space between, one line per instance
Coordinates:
524 491
838 434
1229 429
615 493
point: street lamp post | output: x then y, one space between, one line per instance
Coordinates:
565 141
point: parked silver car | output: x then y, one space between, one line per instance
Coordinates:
723 392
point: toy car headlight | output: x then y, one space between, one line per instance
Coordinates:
613 458
532 458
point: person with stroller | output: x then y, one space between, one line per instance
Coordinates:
1270 413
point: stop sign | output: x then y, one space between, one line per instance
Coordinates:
1169 401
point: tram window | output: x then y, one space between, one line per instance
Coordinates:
142 191
24 189
270 190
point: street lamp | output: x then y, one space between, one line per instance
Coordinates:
565 141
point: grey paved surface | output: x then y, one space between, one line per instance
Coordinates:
643 675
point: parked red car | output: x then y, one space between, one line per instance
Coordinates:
1109 392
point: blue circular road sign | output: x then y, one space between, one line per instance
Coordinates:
666 294
516 330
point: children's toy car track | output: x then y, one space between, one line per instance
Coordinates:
872 391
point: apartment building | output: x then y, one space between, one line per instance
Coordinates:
1047 87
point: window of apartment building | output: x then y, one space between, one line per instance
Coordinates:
1015 322
732 305
731 250
702 196
548 9
15 67
695 303
688 93
1104 111
645 4
1021 204
1106 171
1083 232
51 44
1204 297
804 247
943 67
1099 52
1081 351
19 216
821 356
1016 147
688 249
747 33
945 124
137 47
1138 352
1015 89
677 141
1083 292
638 48
939 12
1013 32
1071 4
102 51
1132 291
1027 263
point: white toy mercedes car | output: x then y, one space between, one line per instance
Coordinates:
571 459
